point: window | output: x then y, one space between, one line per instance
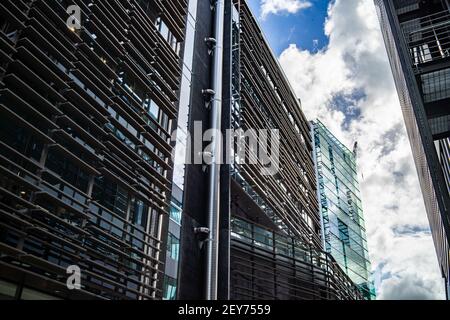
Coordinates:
343 233
241 230
436 85
284 246
7 290
121 136
111 195
127 141
175 213
153 115
29 294
167 35
173 247
139 213
152 109
67 170
20 139
170 288
263 238
162 28
10 31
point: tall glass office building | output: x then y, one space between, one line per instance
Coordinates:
340 204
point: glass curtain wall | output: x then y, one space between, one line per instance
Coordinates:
341 208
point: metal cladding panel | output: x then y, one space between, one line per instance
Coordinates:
264 99
85 152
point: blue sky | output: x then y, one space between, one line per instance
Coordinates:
301 28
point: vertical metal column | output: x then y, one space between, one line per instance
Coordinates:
212 247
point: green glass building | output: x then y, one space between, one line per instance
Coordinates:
344 232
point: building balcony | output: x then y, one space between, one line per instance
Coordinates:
428 39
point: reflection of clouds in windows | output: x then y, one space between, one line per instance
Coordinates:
173 247
180 159
170 288
175 213
168 35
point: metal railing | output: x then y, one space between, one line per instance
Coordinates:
270 265
428 38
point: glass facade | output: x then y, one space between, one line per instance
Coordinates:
341 209
11 291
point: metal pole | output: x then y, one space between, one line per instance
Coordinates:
216 153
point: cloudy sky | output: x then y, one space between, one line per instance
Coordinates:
334 55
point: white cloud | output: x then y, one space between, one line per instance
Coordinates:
409 270
354 66
282 6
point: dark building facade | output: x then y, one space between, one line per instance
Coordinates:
94 134
86 119
417 38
